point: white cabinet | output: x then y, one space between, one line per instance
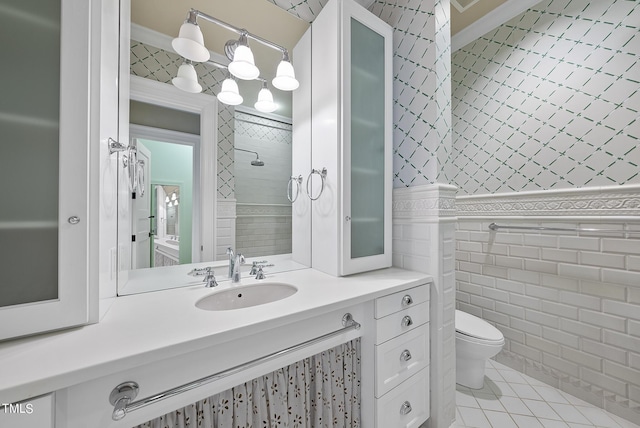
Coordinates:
49 118
351 120
399 394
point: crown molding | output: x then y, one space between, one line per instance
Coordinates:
490 21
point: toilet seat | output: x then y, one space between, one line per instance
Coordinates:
474 329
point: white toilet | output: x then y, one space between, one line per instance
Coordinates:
476 341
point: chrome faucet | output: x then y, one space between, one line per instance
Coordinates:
231 254
235 261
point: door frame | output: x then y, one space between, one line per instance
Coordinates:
206 169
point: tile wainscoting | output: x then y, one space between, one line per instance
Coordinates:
263 229
568 303
424 241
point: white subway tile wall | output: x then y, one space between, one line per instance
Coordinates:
424 240
260 235
573 322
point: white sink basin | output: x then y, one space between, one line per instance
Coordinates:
246 296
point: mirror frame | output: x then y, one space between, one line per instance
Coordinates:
165 95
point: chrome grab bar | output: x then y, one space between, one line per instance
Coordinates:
121 397
496 227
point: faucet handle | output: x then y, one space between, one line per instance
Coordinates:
210 279
259 273
254 268
200 271
229 251
255 265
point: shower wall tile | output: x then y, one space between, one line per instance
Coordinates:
263 224
549 100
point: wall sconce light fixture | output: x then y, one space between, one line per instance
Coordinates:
190 44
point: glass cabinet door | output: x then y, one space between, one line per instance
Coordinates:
29 114
44 121
367 141
367 147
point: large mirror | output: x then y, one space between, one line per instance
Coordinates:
214 176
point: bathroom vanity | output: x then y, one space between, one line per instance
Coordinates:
162 340
169 338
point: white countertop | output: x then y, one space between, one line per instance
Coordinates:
142 328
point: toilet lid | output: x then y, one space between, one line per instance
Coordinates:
476 327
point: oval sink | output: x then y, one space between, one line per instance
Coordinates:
246 296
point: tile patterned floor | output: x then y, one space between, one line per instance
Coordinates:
511 399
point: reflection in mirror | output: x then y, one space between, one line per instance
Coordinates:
252 214
165 220
169 142
263 222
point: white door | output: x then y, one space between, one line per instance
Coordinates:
141 208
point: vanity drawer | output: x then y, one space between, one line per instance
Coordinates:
400 358
406 406
401 322
395 302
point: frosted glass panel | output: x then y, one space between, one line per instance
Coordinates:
29 119
367 141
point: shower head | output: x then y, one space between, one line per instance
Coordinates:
256 162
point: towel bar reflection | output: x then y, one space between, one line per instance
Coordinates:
122 396
496 227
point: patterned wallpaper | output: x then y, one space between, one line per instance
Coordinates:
307 10
422 106
550 100
157 64
422 84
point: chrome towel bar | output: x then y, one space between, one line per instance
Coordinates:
122 396
496 227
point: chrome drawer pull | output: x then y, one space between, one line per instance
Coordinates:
405 356
405 409
407 300
406 321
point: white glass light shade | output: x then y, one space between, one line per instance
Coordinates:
187 79
175 203
174 196
265 101
190 43
166 200
243 65
229 93
285 79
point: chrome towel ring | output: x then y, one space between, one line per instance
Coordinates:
298 180
323 175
